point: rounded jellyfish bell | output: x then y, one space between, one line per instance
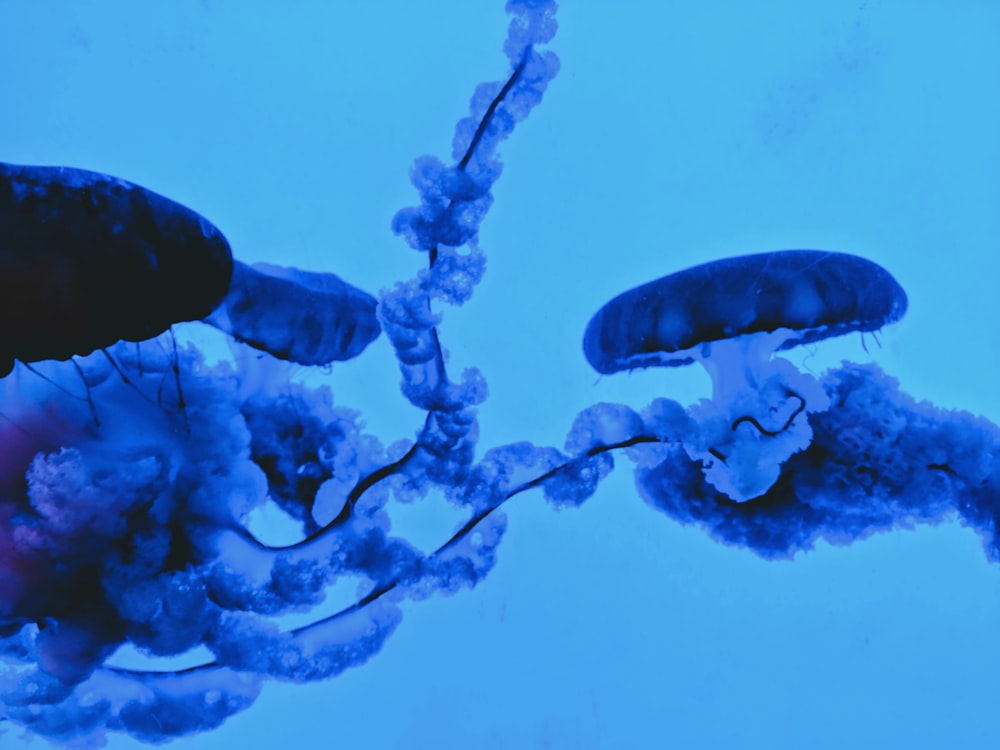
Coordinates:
305 317
732 315
87 260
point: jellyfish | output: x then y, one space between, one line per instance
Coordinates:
87 260
732 316
310 318
137 532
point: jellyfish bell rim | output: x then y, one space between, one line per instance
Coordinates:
673 321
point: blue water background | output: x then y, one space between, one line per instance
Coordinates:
676 133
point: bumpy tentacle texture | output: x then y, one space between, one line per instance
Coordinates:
878 460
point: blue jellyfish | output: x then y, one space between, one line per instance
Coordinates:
309 318
139 532
136 532
87 260
731 316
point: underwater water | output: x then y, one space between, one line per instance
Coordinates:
672 136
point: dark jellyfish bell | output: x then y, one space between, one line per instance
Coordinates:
305 317
814 294
87 260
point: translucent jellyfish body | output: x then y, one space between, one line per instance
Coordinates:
732 316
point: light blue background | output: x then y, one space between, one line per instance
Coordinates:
676 133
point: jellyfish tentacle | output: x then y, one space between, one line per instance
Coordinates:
750 419
454 201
